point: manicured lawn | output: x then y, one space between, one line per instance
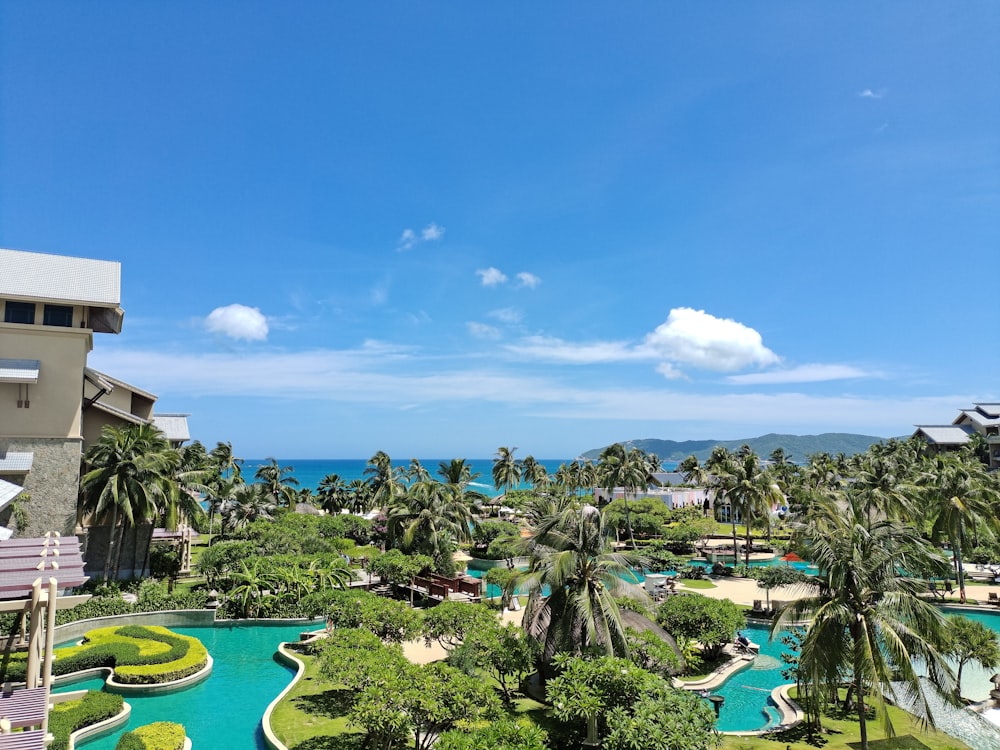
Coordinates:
844 734
697 583
312 709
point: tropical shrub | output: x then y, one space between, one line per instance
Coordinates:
66 718
711 622
160 735
505 734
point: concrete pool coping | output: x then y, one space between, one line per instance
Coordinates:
289 659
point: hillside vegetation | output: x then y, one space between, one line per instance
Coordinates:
797 447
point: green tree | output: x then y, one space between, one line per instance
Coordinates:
970 641
392 621
773 576
626 468
503 651
278 482
449 623
333 494
866 620
385 480
506 470
572 582
693 617
128 477
428 520
505 734
665 720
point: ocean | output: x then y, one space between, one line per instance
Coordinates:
309 472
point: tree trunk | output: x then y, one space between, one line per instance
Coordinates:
111 542
959 570
628 520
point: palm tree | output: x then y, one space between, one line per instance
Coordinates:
360 496
333 493
427 520
625 468
127 479
506 470
533 472
278 482
384 479
225 463
959 497
458 474
417 472
866 620
573 581
248 503
970 640
749 489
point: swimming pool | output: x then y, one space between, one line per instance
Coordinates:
223 712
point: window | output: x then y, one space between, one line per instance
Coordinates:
58 315
19 312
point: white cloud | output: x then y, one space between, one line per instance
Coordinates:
668 371
506 315
238 322
372 375
528 280
815 373
432 232
407 240
491 276
870 94
483 331
550 349
693 337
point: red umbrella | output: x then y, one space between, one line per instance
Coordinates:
791 557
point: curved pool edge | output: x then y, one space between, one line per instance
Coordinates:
99 729
161 688
291 660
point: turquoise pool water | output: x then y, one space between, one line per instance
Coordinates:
748 706
224 711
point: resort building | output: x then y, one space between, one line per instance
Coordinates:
981 419
52 405
663 486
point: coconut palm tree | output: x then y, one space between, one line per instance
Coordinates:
750 490
506 470
572 581
248 503
278 482
959 496
333 493
385 480
866 621
128 476
427 520
458 474
534 473
626 468
416 471
360 496
224 462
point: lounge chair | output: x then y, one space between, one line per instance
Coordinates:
993 599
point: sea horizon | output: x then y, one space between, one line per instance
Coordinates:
309 472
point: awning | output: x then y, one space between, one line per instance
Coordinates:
19 370
8 491
16 462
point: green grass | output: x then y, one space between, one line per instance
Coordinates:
314 708
697 583
843 733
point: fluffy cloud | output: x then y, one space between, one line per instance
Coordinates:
869 94
491 276
528 280
238 322
693 337
483 331
816 373
550 349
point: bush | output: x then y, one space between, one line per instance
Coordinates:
160 735
711 622
66 718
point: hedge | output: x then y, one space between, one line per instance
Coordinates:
139 655
66 718
161 735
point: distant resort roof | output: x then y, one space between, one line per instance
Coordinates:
174 426
945 434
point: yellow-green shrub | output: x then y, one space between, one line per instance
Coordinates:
160 735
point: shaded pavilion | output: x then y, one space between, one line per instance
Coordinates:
36 575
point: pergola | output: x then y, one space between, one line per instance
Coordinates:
34 573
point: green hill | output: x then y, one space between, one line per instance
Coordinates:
797 447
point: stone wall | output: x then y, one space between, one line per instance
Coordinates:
54 483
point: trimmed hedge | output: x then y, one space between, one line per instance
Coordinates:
139 655
160 735
66 718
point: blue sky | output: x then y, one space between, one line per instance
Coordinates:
438 228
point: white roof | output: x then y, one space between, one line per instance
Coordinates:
126 416
977 417
8 491
945 434
174 426
19 370
98 375
14 462
60 278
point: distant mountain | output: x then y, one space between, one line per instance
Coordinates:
797 447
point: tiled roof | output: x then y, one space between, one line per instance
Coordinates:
19 370
13 462
174 426
945 434
60 278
